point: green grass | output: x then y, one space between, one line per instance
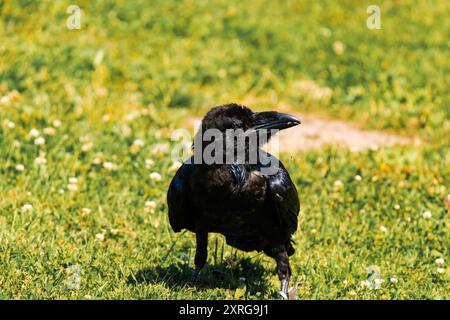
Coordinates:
137 69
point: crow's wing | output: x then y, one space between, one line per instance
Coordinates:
181 215
284 197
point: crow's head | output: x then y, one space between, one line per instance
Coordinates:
234 116
236 132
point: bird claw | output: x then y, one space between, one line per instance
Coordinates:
194 276
283 295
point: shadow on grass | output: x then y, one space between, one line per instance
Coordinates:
245 272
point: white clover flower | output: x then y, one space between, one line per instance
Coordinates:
72 187
378 282
73 180
150 206
358 177
139 142
39 141
109 166
10 124
338 185
440 270
86 210
100 236
155 176
383 229
57 123
26 208
83 139
40 160
33 133
149 163
397 207
20 167
345 282
136 146
126 131
338 47
98 158
160 149
365 284
87 147
14 95
16 144
427 214
439 261
393 280
5 100
408 219
49 131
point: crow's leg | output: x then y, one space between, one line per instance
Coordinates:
201 253
284 272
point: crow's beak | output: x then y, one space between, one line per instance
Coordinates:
274 120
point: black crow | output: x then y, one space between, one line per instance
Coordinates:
252 202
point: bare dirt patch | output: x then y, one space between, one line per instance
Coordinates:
316 132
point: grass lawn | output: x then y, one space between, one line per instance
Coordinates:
86 116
